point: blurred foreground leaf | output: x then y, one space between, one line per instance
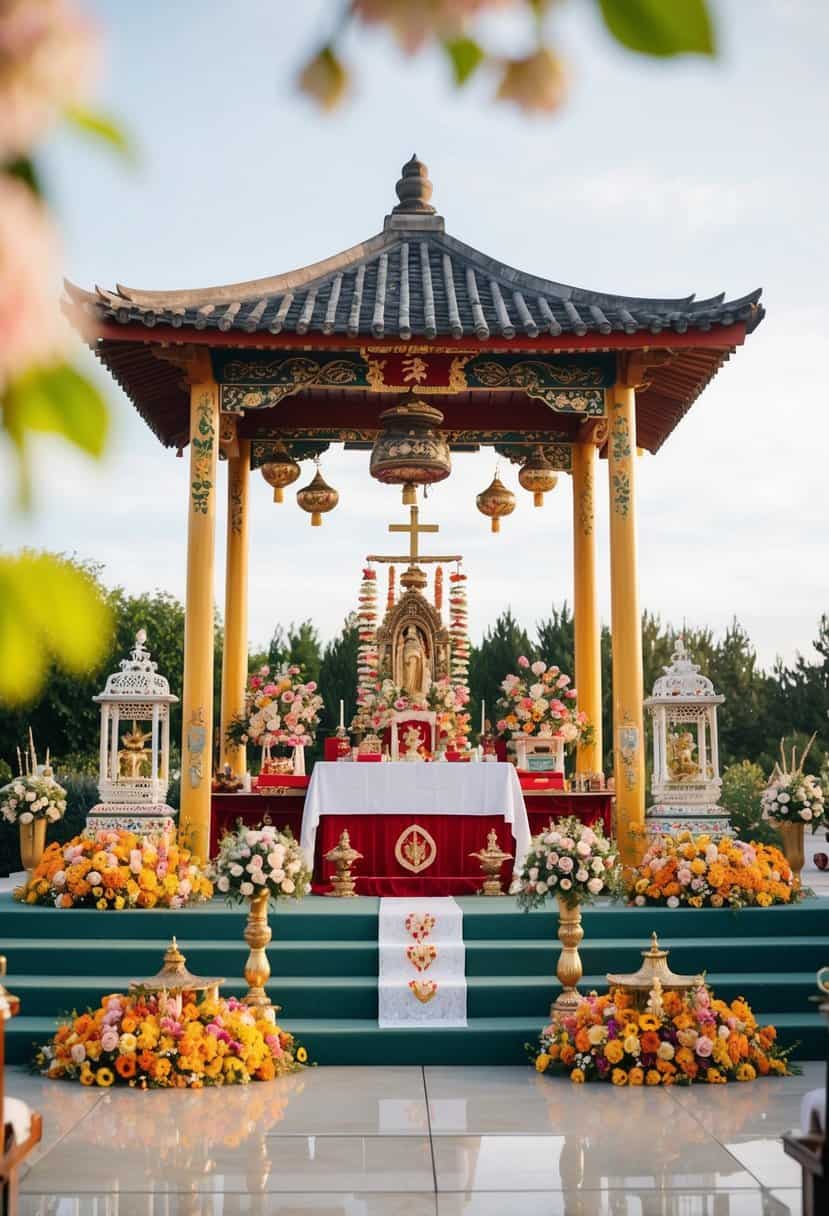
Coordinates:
49 610
100 127
465 55
661 27
60 401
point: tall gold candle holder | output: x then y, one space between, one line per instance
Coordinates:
492 859
343 856
257 967
32 844
569 968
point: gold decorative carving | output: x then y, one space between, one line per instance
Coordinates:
586 506
415 849
228 436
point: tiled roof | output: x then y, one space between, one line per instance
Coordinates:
414 280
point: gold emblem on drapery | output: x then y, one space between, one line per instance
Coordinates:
415 849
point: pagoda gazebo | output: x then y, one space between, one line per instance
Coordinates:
512 360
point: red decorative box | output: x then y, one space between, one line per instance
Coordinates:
540 781
269 780
335 747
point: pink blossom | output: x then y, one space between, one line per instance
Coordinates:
704 1046
523 661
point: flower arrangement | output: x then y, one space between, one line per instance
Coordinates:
30 797
256 860
568 860
699 872
160 1041
115 870
378 703
280 710
793 796
677 1039
544 708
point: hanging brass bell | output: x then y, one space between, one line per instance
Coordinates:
317 498
496 501
410 450
280 471
537 475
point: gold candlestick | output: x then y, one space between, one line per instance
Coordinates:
568 968
343 857
257 967
491 859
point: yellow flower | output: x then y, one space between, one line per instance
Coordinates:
763 899
597 1035
93 1050
746 1072
101 905
647 1021
636 1076
302 1057
119 902
104 1077
613 1051
652 1077
87 1076
127 1043
542 1061
577 1076
619 1076
714 1077
666 1051
631 1045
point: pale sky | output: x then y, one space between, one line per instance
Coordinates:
655 179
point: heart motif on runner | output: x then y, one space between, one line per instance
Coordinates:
419 927
424 990
422 955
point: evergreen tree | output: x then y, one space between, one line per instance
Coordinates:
338 676
495 657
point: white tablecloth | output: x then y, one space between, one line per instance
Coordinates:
415 788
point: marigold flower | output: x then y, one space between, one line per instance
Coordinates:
577 1076
652 1077
104 1077
636 1076
619 1076
542 1062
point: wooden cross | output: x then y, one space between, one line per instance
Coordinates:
414 529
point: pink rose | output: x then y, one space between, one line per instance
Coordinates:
523 661
704 1046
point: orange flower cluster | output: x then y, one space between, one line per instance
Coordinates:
153 1040
700 872
116 869
678 1039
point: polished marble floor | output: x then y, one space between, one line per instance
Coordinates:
448 1141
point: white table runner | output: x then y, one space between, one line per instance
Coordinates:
406 788
422 977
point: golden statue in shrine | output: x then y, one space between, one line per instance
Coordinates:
681 763
416 677
134 759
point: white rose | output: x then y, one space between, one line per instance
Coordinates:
93 878
594 885
782 797
26 817
236 870
277 875
293 867
255 862
30 796
223 883
538 668
59 878
673 901
258 877
536 691
246 888
583 848
288 886
566 865
569 732
582 875
566 884
541 888
597 866
19 789
639 901
806 814
533 874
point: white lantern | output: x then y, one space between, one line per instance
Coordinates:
134 758
686 765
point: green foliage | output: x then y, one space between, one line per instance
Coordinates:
465 55
660 27
742 787
300 646
50 608
338 676
490 661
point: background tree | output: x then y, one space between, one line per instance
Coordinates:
338 676
495 656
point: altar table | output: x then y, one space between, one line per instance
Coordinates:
415 790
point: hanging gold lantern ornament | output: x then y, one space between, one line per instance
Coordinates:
496 501
537 475
280 471
410 449
318 497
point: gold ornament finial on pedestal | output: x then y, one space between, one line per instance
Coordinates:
343 856
568 968
491 858
654 967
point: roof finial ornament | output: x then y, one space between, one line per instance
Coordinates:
414 189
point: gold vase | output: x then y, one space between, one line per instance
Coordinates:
32 843
568 968
792 836
257 967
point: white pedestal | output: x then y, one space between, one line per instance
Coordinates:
669 819
148 819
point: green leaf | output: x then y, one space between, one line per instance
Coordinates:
58 400
49 609
100 127
661 27
465 55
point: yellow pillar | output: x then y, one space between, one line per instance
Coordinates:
197 693
626 626
235 654
587 626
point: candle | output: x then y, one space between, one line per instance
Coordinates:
342 715
483 717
